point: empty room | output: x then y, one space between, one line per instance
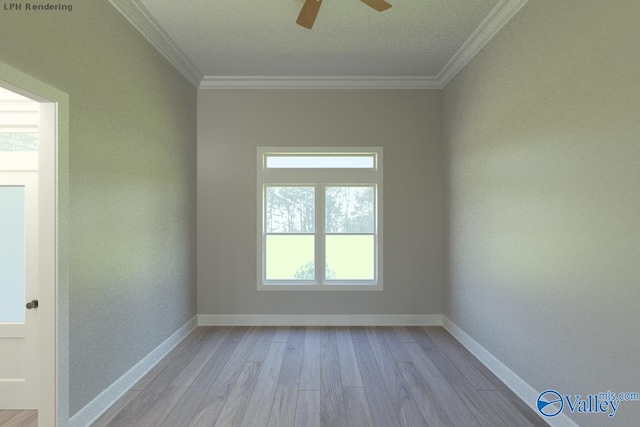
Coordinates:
319 213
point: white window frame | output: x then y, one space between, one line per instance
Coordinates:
319 178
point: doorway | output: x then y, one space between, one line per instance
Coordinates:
28 135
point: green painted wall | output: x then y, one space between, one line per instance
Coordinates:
132 172
543 136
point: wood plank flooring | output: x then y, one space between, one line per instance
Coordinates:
19 418
327 376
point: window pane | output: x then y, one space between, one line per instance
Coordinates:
12 254
350 258
349 209
290 258
19 121
290 209
16 141
321 162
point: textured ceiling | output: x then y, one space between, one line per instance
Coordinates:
261 38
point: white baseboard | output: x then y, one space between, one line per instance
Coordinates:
108 397
320 320
527 393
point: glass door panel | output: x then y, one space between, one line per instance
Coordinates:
12 254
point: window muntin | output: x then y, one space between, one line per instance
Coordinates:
313 215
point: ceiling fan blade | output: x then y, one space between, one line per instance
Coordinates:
308 13
379 5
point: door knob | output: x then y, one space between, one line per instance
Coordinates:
32 304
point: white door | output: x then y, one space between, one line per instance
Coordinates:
28 248
18 285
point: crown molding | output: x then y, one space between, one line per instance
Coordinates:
304 82
145 23
488 28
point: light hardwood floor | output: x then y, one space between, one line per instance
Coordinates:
18 418
307 376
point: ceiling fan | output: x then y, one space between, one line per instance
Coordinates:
310 10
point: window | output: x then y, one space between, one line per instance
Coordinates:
19 122
319 218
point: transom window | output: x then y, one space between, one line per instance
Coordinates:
319 218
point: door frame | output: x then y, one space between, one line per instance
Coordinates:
53 200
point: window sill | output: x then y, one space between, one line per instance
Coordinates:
280 286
